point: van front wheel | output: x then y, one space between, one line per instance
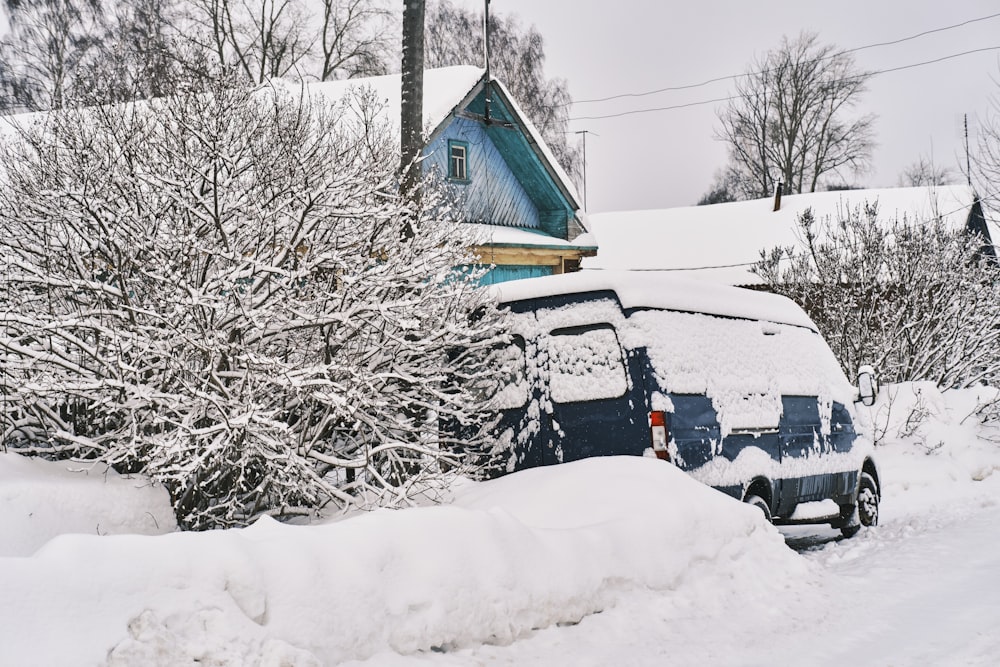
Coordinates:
865 512
760 504
868 501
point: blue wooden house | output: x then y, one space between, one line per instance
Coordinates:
502 176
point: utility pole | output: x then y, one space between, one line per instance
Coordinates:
584 133
412 96
968 160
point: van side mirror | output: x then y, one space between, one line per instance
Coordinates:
867 385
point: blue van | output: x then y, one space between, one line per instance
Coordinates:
734 386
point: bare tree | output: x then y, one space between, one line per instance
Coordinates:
261 40
48 44
142 54
215 290
320 39
455 37
354 40
911 297
924 173
791 119
986 165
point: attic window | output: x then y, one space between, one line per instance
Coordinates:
458 160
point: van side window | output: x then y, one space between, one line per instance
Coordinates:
511 388
585 364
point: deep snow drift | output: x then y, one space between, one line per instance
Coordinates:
624 561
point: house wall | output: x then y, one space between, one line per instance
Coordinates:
492 195
504 272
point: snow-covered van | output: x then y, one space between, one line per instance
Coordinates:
734 386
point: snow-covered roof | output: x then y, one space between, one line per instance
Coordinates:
662 289
719 243
500 236
444 90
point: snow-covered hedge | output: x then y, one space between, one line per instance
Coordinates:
912 297
226 292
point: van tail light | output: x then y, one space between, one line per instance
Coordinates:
658 433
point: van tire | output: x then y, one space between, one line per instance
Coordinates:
865 512
760 504
868 500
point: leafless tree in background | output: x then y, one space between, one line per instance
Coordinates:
261 39
142 54
986 164
792 119
318 39
454 36
49 42
355 39
924 173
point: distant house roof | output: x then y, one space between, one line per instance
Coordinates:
721 242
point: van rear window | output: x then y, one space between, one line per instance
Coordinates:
586 364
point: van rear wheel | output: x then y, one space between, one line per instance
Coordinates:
868 499
760 504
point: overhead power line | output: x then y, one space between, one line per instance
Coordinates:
734 97
833 55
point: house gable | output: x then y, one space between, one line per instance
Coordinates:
492 193
519 149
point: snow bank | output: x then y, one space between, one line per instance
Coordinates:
530 550
41 499
933 440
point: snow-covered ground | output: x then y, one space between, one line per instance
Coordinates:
620 561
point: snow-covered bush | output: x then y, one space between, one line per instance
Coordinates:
221 291
916 300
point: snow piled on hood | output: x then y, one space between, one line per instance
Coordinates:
530 550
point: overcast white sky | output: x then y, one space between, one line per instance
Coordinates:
668 158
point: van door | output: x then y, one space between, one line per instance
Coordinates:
597 402
803 446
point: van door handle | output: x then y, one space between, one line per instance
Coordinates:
753 431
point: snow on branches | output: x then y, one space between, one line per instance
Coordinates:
914 298
217 290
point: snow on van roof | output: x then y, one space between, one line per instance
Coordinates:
662 290
721 242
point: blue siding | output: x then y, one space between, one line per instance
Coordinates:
553 206
501 274
492 194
